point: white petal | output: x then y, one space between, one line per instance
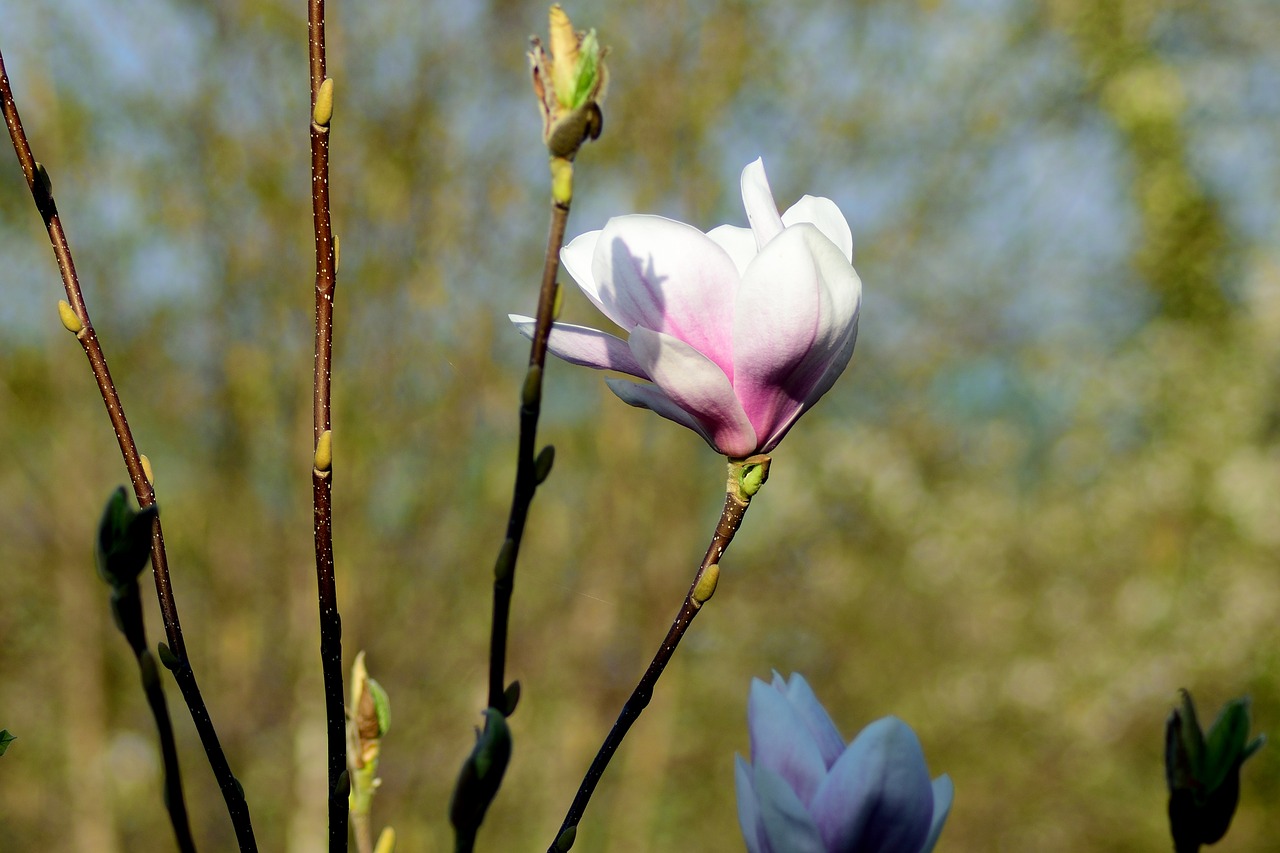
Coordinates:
584 346
757 198
740 243
576 258
696 384
823 214
666 276
651 397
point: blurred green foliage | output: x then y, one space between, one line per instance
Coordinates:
1043 498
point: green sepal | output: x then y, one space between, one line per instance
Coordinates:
588 70
124 540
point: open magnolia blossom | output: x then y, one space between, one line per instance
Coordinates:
734 333
806 792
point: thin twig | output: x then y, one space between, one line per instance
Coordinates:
735 507
322 474
37 181
526 483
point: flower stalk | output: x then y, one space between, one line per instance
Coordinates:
746 476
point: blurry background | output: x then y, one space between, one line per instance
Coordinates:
1042 499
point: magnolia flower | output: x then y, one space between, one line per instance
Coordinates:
805 791
734 333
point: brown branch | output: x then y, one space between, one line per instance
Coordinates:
322 473
41 190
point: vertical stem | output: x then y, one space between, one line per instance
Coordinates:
321 475
37 182
526 469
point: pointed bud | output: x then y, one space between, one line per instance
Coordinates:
5 740
146 469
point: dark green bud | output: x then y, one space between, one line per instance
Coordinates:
124 540
1203 773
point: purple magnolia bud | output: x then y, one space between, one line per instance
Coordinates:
733 333
806 792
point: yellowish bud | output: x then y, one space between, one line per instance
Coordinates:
324 452
386 841
146 469
322 113
706 586
70 319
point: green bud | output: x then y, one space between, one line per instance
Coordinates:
565 840
5 740
506 562
167 657
510 698
706 586
542 465
531 392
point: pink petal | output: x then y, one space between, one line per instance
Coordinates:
796 320
696 384
823 214
757 198
584 346
658 274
